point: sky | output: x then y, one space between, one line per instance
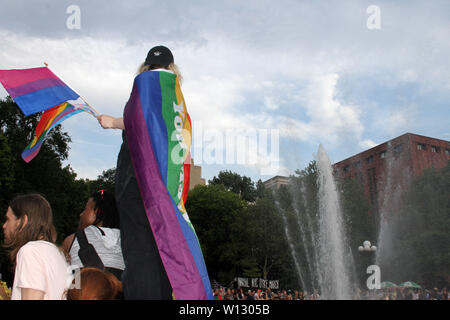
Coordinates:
265 82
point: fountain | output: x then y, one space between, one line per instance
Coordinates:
335 258
396 179
323 259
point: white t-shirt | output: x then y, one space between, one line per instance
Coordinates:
106 245
41 266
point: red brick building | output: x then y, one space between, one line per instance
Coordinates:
388 167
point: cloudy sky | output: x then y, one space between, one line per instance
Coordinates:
265 82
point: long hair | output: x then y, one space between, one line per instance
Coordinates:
106 209
39 226
96 284
172 67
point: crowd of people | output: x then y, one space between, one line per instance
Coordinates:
394 293
263 294
403 293
43 270
41 267
131 252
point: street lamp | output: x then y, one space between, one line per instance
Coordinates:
367 246
367 252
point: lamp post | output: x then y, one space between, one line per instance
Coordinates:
366 250
367 246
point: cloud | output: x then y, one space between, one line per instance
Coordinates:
331 120
270 103
98 70
251 64
317 114
367 144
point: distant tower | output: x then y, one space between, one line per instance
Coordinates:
275 182
196 176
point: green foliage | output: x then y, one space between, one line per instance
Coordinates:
260 189
251 239
214 212
266 238
243 186
104 181
6 168
422 231
239 238
360 223
302 211
44 174
243 228
299 203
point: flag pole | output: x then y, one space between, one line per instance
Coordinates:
95 110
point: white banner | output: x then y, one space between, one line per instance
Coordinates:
242 282
257 283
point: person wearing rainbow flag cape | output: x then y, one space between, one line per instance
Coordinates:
162 254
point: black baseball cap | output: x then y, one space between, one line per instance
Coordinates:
159 55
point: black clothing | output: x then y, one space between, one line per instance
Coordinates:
144 277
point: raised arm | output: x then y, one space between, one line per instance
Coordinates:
109 122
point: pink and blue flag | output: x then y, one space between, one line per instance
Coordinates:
36 89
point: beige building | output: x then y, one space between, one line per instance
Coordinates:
276 182
196 176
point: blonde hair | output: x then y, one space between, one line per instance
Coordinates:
172 67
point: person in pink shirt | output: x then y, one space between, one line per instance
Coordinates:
41 270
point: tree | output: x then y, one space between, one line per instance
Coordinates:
360 222
241 185
303 222
267 242
298 204
260 189
213 211
423 230
6 171
44 174
104 181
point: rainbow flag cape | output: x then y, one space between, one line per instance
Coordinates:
158 131
35 90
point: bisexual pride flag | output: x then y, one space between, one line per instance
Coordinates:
35 90
158 131
38 89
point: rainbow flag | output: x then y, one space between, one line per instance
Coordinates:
49 119
158 131
38 89
35 90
